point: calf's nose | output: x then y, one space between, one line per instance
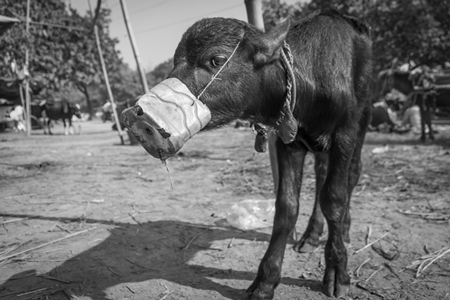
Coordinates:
138 110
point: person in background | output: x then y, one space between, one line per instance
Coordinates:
17 115
381 118
411 119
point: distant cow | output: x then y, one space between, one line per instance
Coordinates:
59 110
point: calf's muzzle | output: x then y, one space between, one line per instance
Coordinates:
166 117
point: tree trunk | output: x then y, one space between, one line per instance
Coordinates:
83 88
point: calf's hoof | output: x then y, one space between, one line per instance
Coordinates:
259 291
336 282
304 246
308 243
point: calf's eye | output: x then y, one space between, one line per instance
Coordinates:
218 61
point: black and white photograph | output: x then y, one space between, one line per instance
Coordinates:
224 150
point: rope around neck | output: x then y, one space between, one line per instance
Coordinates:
221 68
291 96
291 88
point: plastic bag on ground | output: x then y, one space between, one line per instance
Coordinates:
251 214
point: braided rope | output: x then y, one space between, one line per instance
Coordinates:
291 96
291 90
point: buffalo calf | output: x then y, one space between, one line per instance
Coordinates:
310 80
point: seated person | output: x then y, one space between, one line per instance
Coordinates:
381 120
411 118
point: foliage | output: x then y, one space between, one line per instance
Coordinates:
159 73
403 31
65 56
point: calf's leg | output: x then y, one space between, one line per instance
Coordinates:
334 201
310 239
354 174
290 166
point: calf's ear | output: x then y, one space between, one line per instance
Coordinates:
268 45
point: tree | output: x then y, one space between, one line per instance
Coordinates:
160 72
63 52
407 31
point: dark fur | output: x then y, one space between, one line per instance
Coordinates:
56 111
333 67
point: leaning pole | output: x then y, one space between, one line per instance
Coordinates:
108 86
27 78
134 47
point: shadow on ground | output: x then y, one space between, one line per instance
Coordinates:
137 253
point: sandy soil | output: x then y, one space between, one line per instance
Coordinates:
84 217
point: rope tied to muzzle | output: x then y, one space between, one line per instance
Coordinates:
286 125
221 68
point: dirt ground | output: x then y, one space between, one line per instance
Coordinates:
84 217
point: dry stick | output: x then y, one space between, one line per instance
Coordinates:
389 267
53 226
370 244
373 274
9 250
425 215
190 242
14 220
21 195
53 278
421 270
34 291
356 272
45 244
358 284
166 296
369 233
132 216
130 289
425 258
361 191
113 272
64 229
69 294
167 292
136 264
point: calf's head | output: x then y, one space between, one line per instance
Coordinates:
225 69
246 60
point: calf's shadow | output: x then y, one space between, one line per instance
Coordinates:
154 250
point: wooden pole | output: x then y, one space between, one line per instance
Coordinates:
255 17
108 86
133 46
27 78
254 13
